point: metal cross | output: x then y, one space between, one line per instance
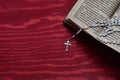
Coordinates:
67 44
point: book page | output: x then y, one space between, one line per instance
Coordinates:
87 12
117 14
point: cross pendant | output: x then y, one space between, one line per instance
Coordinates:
67 44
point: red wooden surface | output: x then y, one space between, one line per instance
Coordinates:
31 45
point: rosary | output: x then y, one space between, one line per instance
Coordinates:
109 26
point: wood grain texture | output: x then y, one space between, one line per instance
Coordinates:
31 45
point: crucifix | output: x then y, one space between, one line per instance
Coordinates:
67 44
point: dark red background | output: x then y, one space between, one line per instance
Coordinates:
32 35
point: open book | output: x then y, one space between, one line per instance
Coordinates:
87 12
